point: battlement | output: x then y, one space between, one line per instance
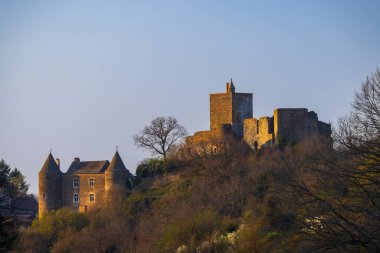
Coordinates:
288 125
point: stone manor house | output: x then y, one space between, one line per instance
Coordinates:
231 113
86 185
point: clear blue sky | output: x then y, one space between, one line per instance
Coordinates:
81 77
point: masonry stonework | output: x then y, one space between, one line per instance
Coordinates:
231 113
86 185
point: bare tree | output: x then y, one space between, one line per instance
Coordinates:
360 130
339 190
160 136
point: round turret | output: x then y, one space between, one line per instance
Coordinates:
49 186
116 177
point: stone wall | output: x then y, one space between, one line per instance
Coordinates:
230 108
241 110
324 129
265 136
290 125
68 191
251 127
258 132
84 191
49 192
220 110
233 111
115 186
199 137
265 125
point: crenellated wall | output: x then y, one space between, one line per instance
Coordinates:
287 125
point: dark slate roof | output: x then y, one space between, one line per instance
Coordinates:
88 167
117 165
232 84
50 166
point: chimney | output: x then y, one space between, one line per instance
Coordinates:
76 159
58 162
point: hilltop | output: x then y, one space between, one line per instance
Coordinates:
315 195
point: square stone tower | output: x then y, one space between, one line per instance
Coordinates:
230 108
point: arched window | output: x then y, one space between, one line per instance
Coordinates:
91 182
75 182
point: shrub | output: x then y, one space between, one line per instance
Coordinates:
150 167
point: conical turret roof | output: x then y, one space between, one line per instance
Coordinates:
232 84
230 87
116 165
50 166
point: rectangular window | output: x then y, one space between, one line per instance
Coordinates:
76 198
76 182
91 182
92 197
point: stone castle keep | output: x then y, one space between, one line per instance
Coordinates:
86 185
231 113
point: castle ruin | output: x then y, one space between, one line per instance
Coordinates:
231 113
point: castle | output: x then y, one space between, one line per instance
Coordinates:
231 113
92 184
86 185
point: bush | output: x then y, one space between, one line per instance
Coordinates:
43 233
189 229
150 168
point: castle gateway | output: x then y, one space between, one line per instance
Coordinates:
231 114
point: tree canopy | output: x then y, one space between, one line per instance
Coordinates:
12 185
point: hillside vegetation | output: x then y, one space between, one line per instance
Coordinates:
319 195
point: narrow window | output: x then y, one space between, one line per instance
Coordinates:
92 197
43 195
76 198
91 182
256 145
76 182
